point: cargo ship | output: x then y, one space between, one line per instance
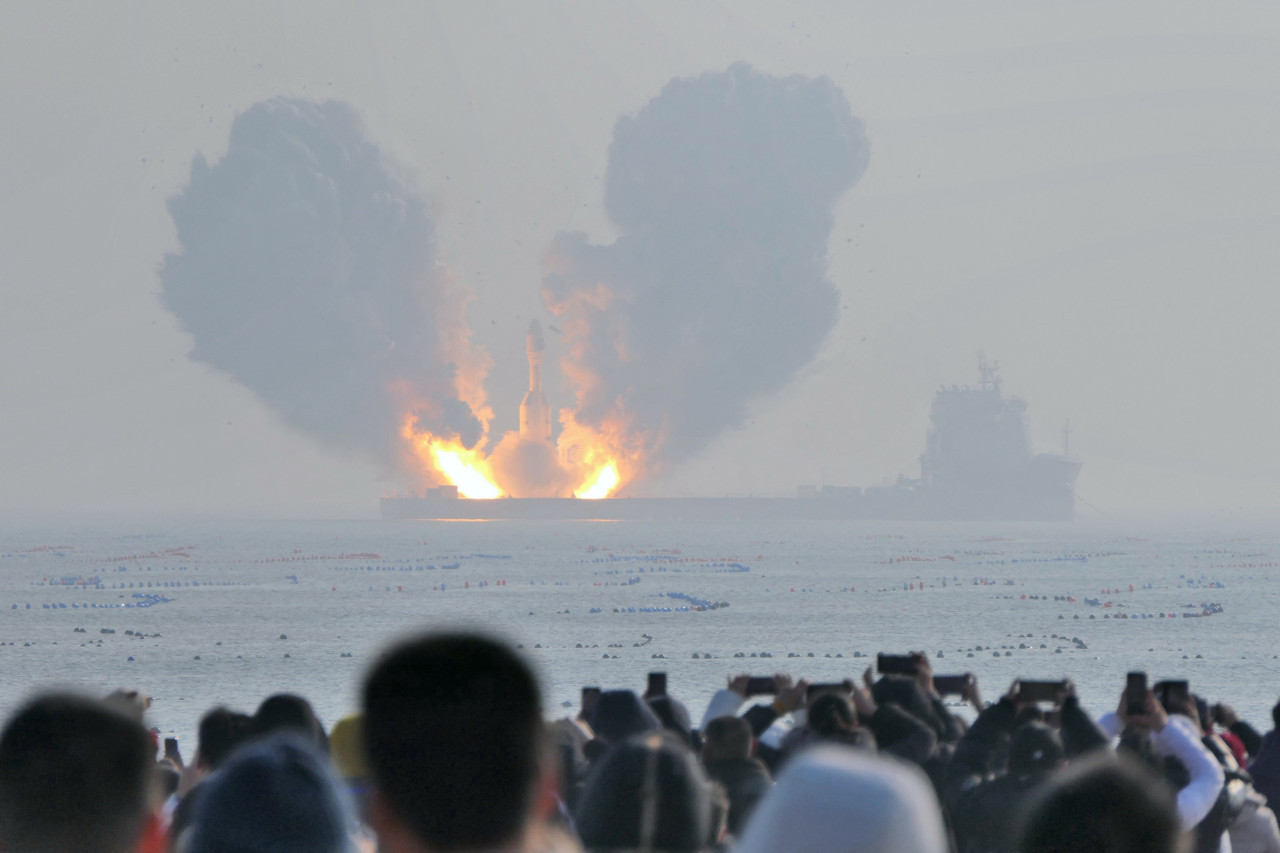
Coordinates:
978 465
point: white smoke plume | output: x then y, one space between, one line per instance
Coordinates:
722 188
307 271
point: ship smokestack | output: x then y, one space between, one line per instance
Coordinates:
535 411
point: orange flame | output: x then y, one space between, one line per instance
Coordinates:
466 468
593 460
605 458
604 481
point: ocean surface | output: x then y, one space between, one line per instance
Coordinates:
202 614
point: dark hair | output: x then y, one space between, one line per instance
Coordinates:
727 737
75 774
1275 715
452 730
1034 750
1101 804
287 712
620 714
830 715
276 795
649 788
221 731
906 693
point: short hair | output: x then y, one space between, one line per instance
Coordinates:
1275 715
1102 804
75 774
727 737
647 793
288 712
453 727
221 731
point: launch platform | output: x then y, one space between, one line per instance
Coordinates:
977 466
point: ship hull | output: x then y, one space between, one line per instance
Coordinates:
888 504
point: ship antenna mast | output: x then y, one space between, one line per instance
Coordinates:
987 373
1066 437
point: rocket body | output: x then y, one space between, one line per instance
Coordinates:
535 411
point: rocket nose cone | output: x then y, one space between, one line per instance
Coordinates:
534 339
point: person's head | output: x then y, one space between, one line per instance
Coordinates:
647 793
905 692
276 795
1029 714
287 712
725 738
1275 716
1034 750
221 730
1101 804
831 715
842 800
674 716
620 714
75 774
452 729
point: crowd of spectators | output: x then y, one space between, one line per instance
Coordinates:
450 752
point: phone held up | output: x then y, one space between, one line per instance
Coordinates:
1135 694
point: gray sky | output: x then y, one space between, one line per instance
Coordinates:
1089 192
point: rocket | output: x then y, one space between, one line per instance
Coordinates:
535 411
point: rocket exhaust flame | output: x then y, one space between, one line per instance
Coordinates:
463 472
466 468
586 462
714 292
602 484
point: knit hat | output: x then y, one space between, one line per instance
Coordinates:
647 793
838 800
274 796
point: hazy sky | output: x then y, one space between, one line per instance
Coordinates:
1089 192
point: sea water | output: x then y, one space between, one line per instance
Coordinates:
204 614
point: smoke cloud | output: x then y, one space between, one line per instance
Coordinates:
307 271
716 291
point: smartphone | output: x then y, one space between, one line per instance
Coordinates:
1039 691
762 685
953 685
171 749
897 664
1173 695
657 684
590 695
816 690
1135 692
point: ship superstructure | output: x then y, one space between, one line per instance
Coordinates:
978 461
